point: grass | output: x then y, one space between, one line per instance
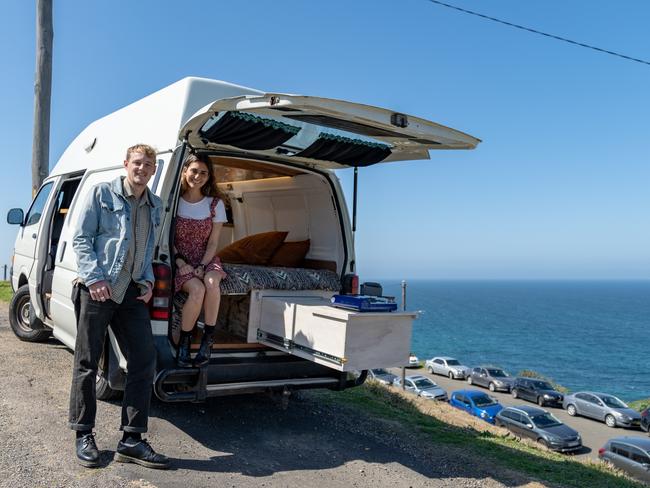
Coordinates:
5 291
640 404
491 445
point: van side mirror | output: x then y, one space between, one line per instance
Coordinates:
15 216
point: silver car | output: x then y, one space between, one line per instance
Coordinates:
447 366
422 386
493 378
601 406
630 454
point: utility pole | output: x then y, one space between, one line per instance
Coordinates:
42 94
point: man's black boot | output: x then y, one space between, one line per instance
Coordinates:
141 453
87 452
203 356
183 357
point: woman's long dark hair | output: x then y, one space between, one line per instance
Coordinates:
210 188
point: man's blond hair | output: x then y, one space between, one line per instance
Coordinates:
145 149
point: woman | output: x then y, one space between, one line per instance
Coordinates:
200 216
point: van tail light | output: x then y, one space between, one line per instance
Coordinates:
162 292
601 451
350 285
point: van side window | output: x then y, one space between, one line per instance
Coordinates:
36 210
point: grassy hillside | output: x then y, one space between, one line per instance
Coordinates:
5 291
440 424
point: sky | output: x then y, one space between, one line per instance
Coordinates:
558 189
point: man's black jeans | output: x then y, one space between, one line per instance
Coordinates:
130 323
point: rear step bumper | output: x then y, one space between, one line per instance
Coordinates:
190 385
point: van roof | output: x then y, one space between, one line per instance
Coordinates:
154 120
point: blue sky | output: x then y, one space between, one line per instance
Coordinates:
558 188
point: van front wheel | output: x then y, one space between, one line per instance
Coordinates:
19 311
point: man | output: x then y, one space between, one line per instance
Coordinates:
113 243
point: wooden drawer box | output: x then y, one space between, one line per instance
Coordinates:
344 340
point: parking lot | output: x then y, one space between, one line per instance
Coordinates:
594 434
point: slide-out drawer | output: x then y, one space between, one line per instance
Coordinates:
344 340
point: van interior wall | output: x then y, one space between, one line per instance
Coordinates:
263 197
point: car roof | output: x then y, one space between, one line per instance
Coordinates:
491 366
527 409
470 393
443 357
640 442
417 377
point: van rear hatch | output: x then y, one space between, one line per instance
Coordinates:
317 132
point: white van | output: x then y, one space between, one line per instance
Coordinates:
274 156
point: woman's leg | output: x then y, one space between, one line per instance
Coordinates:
212 299
192 308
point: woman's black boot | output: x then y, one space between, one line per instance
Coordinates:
203 356
183 357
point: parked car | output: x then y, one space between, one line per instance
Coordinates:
381 376
630 454
422 386
447 366
541 426
601 406
476 403
538 391
493 378
645 420
414 362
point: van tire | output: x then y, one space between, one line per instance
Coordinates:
103 390
19 310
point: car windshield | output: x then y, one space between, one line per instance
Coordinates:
497 373
424 383
379 371
483 401
544 420
612 401
542 385
453 362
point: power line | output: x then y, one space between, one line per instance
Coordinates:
552 36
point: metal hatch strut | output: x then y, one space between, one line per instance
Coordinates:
354 200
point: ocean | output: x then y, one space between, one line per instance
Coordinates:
584 335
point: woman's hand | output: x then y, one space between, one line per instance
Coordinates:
199 271
186 269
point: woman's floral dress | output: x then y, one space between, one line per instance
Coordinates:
191 240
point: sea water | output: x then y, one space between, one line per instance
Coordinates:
584 335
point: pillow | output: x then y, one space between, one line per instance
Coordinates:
290 254
255 249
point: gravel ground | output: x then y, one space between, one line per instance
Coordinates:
233 442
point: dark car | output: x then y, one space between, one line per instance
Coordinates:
538 391
476 403
645 420
381 376
541 426
491 377
630 454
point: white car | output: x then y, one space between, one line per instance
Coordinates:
414 362
447 366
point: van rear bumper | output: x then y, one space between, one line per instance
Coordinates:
183 385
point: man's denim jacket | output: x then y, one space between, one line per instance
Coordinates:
101 237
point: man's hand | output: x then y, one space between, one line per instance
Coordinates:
100 291
146 296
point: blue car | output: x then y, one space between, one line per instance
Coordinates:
476 403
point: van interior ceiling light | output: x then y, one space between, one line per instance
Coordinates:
247 131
